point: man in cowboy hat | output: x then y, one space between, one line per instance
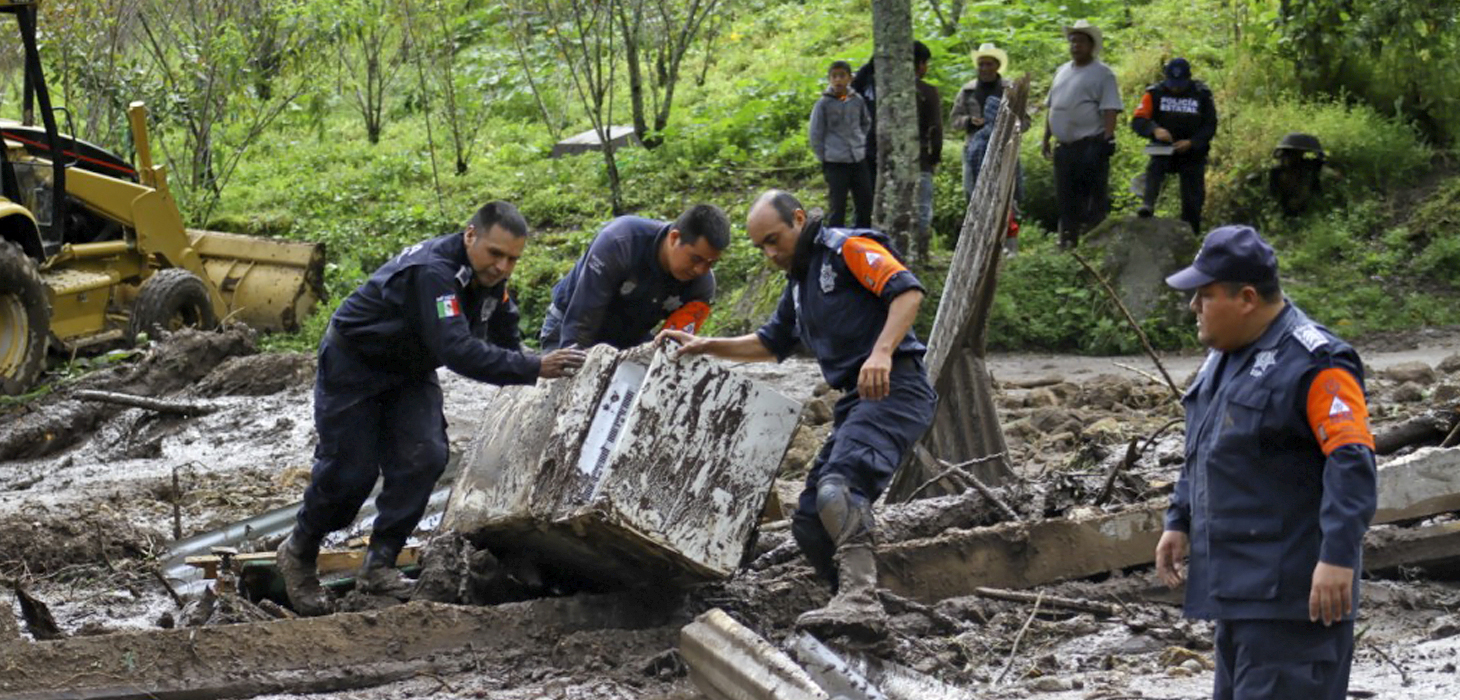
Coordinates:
969 107
1178 112
1083 103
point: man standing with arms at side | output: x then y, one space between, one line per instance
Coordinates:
930 143
377 402
1083 103
1178 112
851 303
636 274
1279 483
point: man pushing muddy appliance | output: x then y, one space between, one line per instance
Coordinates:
851 303
378 404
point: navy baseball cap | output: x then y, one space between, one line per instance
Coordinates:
1229 254
1178 74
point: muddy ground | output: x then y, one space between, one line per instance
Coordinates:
92 494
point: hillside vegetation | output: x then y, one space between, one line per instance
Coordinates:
368 125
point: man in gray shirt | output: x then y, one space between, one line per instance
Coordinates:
1082 105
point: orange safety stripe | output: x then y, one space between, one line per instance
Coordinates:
1146 110
688 318
1337 412
870 263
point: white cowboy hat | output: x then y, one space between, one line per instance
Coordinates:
993 52
1083 26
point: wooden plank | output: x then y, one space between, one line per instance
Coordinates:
331 561
1436 548
1020 555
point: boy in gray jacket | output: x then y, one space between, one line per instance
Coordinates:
839 130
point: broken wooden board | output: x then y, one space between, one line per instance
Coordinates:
334 652
1419 485
727 661
1020 555
966 422
639 468
1435 548
331 561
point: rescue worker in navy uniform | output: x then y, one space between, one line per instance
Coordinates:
636 274
852 304
1279 483
1178 112
377 402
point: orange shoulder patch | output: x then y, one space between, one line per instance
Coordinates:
872 264
1337 411
688 318
1146 110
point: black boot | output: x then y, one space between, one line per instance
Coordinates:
296 562
378 575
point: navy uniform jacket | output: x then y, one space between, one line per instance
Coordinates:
420 311
617 293
1279 472
835 301
1191 115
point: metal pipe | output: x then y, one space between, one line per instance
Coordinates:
271 524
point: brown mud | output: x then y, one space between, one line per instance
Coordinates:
87 512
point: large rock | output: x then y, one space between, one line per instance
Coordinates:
1417 372
1135 255
640 468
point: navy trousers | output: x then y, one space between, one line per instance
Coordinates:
1192 169
372 424
1282 659
867 442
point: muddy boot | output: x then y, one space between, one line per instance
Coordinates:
378 576
855 611
296 562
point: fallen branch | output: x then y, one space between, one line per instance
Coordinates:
950 470
175 408
1131 456
1075 604
981 487
897 604
1145 341
1034 383
167 586
1147 375
1013 652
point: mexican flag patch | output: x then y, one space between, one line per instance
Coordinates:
447 306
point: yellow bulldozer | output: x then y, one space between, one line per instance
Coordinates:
93 250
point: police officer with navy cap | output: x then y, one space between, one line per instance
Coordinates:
377 402
851 303
1279 482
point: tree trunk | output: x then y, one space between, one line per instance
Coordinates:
631 23
894 210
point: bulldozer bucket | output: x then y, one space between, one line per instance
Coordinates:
268 284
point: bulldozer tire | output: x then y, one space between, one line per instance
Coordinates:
171 300
25 320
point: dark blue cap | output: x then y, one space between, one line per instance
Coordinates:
1229 254
1178 74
